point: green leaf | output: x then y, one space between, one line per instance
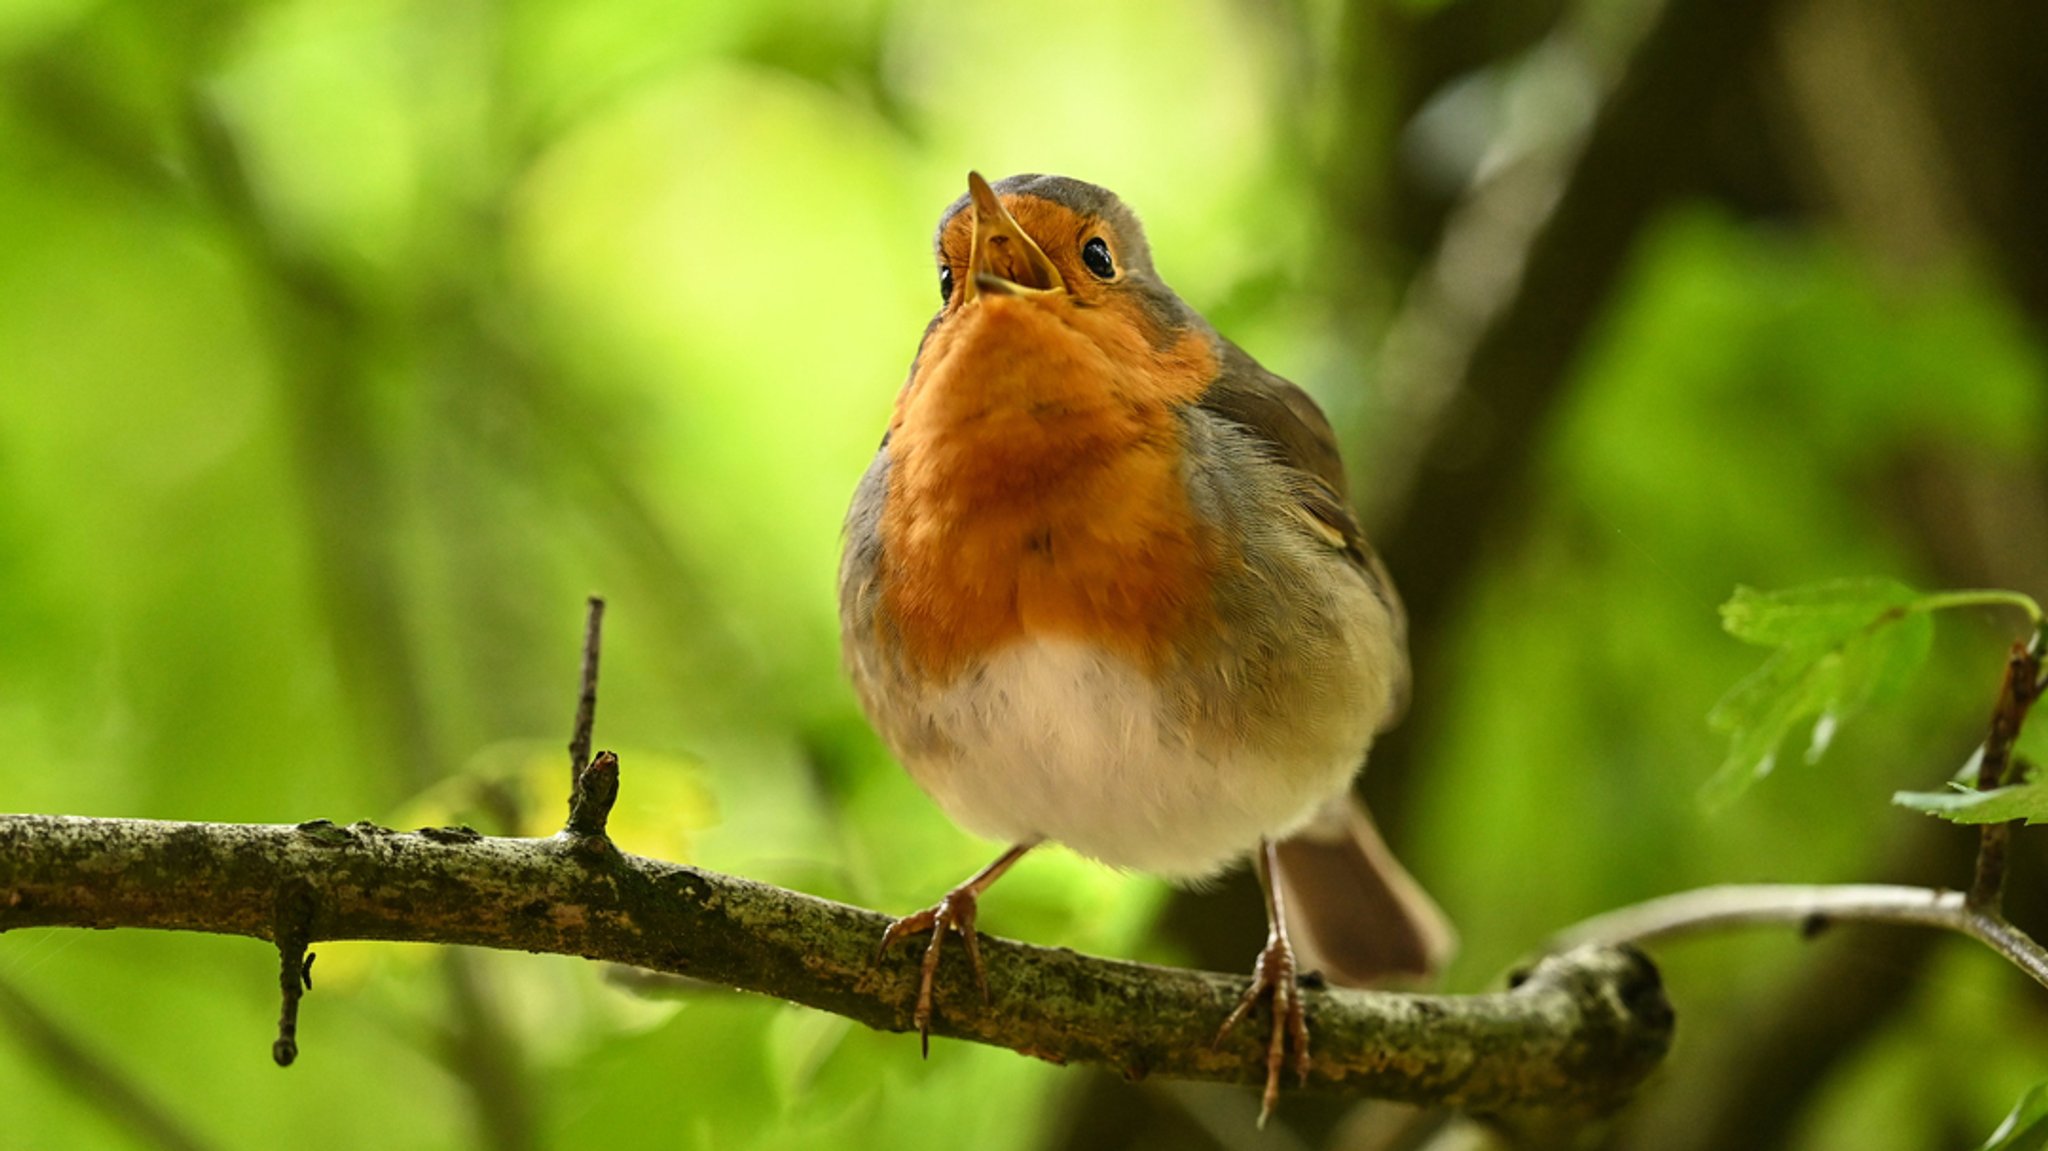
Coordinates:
2026 1128
1964 804
1838 646
1821 614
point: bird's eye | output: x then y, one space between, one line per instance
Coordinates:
945 283
1095 254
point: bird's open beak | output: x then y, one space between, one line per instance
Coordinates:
1005 262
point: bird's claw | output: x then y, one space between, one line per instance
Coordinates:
956 913
1274 975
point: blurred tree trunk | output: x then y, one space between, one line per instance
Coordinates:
1907 123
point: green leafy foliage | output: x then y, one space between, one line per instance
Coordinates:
1962 803
2026 1128
1837 646
1828 613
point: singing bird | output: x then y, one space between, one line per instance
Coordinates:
1102 587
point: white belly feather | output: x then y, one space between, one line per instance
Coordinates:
1054 739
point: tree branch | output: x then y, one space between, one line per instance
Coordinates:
1814 909
1578 1033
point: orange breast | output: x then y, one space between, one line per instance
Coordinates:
1035 488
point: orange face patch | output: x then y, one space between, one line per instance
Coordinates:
1035 484
1060 233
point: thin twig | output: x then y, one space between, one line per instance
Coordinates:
597 788
593 783
586 700
2021 688
1813 908
293 931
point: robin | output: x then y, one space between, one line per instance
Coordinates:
1102 587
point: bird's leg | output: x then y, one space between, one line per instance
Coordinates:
1274 974
955 911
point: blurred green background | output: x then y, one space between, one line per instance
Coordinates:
344 347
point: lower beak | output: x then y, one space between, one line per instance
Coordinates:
1004 260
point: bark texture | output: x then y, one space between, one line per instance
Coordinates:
1577 1033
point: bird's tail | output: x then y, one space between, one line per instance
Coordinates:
1353 912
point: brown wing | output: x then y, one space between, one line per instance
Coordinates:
1288 422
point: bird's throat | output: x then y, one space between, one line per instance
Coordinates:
1036 490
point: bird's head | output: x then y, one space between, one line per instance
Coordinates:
1054 243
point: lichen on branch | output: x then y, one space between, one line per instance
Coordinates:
1577 1033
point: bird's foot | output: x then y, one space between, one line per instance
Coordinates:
1274 976
955 912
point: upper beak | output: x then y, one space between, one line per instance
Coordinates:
1004 261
